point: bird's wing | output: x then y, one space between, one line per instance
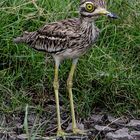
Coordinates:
55 37
62 29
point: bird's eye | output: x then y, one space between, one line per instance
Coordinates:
90 7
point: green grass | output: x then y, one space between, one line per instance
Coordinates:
108 76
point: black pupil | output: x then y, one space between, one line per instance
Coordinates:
89 7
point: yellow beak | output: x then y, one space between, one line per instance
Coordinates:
102 11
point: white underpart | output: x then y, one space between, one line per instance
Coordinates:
69 54
93 32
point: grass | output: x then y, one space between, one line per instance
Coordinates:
108 76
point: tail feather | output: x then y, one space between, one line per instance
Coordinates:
19 40
25 38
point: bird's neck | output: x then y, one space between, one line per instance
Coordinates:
86 22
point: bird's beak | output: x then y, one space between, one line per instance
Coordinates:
103 11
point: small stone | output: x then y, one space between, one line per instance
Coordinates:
134 124
135 134
104 128
121 134
96 118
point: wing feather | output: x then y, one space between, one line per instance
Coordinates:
53 37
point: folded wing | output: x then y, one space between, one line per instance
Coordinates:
52 38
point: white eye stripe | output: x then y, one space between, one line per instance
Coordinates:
88 3
99 2
84 5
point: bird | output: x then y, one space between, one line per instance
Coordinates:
68 39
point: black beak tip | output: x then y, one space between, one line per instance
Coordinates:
112 15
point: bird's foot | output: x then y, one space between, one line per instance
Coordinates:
78 131
61 133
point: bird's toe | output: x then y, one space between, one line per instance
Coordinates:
78 131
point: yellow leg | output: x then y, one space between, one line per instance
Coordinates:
69 86
56 88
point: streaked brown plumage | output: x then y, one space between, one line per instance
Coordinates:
66 39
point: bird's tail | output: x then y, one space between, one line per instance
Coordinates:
25 38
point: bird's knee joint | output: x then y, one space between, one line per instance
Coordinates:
56 85
69 84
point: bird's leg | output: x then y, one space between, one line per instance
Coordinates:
56 88
69 86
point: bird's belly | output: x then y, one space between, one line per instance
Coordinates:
71 53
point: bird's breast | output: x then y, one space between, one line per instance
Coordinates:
95 34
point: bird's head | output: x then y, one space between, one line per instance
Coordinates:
94 8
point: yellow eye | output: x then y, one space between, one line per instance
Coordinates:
90 7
